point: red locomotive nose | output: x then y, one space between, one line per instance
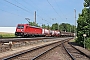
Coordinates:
20 28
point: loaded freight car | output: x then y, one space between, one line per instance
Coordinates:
55 33
26 30
46 32
67 34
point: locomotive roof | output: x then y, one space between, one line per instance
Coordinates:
29 25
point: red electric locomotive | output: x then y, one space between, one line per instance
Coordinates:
27 30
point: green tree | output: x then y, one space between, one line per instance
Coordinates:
54 26
88 43
83 21
87 3
34 24
63 27
48 27
66 27
43 26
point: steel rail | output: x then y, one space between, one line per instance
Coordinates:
23 39
68 52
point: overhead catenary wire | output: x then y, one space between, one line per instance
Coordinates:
37 10
10 12
25 1
24 9
23 5
60 9
55 11
17 6
53 8
6 10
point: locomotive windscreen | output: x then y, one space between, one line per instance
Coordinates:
20 26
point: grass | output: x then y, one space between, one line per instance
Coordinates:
4 34
73 40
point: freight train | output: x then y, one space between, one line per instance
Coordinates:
25 30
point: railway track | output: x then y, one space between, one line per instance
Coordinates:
53 51
19 42
23 39
74 53
33 53
36 53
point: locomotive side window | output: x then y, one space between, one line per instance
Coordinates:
20 27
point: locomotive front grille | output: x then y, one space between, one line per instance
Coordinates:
19 33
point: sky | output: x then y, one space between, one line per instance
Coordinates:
48 12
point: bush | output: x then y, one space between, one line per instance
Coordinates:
79 41
87 43
0 36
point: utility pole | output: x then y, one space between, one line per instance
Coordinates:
84 35
58 26
35 17
75 23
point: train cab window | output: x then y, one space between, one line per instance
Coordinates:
20 27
